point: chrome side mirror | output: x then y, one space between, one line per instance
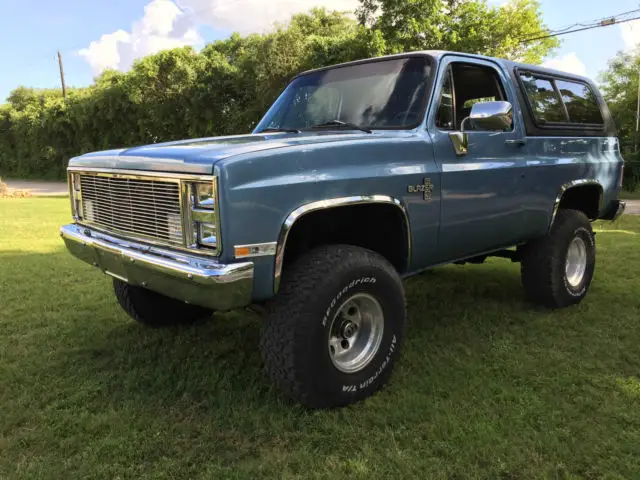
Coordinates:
492 116
496 116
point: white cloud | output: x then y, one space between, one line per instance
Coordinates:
103 53
158 30
249 16
166 24
567 63
630 32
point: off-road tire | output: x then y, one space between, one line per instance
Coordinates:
153 309
543 262
294 341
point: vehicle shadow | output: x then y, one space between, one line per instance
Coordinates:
220 356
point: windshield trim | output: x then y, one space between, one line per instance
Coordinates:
431 62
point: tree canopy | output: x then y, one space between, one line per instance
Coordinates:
460 25
620 87
227 86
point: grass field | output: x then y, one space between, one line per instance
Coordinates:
488 386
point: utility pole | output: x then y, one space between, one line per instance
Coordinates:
64 88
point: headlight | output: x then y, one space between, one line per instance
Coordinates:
205 195
207 235
76 196
204 214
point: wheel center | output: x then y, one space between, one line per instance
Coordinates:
349 329
355 333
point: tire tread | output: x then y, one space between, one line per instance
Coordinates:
541 272
299 283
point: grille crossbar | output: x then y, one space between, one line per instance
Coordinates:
149 208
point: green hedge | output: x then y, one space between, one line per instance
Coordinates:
175 94
227 86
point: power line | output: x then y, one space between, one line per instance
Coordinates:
604 23
587 25
591 22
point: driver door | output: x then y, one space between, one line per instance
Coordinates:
481 208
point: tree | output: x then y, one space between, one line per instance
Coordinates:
620 88
462 25
227 86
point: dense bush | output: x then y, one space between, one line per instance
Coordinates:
227 86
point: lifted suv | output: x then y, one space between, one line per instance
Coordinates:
358 175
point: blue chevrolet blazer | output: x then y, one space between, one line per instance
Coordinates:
359 175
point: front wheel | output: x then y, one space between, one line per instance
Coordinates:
336 326
557 269
153 309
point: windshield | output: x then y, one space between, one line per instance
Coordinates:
381 94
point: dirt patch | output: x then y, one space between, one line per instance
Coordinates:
6 192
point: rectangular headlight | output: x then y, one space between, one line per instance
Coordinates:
207 235
76 196
205 196
204 214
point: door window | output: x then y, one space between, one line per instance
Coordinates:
446 117
465 85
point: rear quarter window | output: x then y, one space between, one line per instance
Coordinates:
544 100
557 102
581 104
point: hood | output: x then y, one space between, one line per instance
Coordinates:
199 156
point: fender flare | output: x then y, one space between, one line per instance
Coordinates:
327 204
568 186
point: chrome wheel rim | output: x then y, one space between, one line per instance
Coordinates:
576 264
356 332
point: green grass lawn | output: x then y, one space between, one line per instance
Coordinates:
488 386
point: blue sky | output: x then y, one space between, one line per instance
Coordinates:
31 31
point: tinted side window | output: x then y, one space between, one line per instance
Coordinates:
446 118
580 102
544 100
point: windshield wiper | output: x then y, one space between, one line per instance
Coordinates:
339 123
285 130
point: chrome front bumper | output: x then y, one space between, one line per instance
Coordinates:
191 278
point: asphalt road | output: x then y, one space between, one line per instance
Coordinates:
60 188
633 207
40 189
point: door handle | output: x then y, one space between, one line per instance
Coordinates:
519 142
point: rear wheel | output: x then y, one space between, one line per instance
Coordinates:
335 328
153 309
557 269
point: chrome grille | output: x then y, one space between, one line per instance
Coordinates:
139 207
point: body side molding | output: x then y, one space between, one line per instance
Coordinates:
326 204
